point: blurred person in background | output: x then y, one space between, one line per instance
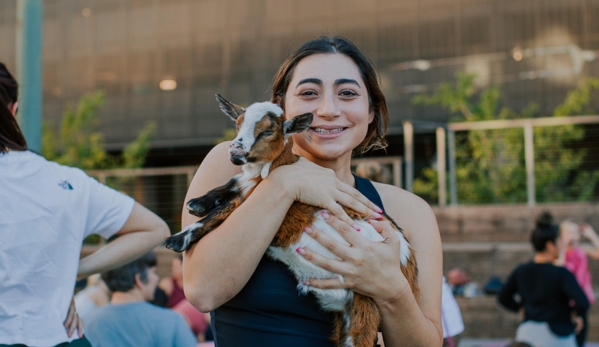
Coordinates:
451 317
172 286
46 211
129 320
574 258
549 295
199 322
96 294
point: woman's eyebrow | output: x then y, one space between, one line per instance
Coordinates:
309 80
319 81
346 80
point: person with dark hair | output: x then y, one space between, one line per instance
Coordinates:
129 319
254 300
549 294
173 285
46 211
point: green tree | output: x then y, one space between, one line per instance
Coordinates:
490 163
77 142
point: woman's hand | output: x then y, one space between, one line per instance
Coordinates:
587 231
368 267
73 321
314 185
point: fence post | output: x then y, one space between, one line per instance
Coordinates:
408 139
530 163
29 70
453 179
441 167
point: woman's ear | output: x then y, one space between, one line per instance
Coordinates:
370 117
13 108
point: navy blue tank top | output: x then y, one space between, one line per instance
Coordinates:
270 312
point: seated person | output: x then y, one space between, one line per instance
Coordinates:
173 286
129 319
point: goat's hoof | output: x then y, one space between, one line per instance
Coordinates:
196 208
175 243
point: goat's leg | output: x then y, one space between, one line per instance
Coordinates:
218 196
193 233
357 325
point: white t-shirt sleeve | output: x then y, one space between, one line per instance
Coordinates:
108 210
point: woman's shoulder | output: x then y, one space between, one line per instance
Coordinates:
408 210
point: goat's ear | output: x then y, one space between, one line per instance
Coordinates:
297 124
229 108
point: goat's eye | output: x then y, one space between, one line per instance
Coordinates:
268 132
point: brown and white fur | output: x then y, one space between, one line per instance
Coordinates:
263 143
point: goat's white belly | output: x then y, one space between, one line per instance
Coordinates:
329 299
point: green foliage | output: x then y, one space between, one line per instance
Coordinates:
229 134
490 163
79 144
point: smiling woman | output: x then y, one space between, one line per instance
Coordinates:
255 300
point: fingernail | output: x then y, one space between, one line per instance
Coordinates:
324 214
308 230
377 216
378 209
356 227
306 283
300 250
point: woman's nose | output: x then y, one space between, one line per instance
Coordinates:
328 108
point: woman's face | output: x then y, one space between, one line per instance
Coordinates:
331 88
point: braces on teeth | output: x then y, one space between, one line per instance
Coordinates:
322 131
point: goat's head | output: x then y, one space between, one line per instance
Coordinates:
261 130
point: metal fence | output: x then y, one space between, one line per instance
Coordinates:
161 190
535 160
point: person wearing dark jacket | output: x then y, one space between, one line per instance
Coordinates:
549 296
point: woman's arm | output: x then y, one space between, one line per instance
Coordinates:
588 232
142 231
372 269
218 267
406 322
506 295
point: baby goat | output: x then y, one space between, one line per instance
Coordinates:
263 143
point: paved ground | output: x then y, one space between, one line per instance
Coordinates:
465 342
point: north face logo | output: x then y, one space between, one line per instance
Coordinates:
65 185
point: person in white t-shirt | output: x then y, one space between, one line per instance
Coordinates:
451 317
46 210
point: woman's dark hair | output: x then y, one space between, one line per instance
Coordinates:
544 231
11 136
122 279
338 45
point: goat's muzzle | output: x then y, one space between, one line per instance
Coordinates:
238 156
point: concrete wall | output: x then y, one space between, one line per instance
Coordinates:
505 223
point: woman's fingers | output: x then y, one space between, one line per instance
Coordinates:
326 283
73 321
79 326
385 229
332 265
357 201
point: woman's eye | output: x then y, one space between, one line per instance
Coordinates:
348 93
308 93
